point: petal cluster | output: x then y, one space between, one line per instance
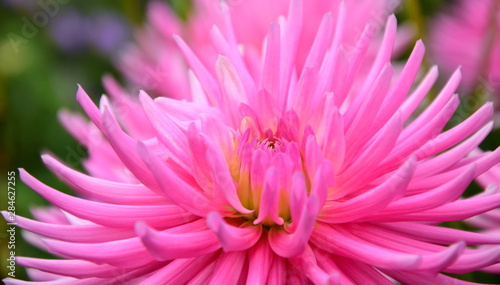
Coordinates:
278 171
467 36
154 62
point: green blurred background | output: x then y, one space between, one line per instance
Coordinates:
38 76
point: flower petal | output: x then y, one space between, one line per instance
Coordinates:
73 233
164 245
181 270
372 201
338 241
259 259
178 191
292 244
109 214
233 238
228 268
115 192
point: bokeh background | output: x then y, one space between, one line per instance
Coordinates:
46 50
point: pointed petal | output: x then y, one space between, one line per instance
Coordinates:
294 244
431 199
269 199
338 241
224 187
164 245
206 79
173 187
109 214
124 147
455 211
371 201
127 253
168 133
416 97
101 189
233 238
73 233
440 235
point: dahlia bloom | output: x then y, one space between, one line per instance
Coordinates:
468 37
272 177
154 62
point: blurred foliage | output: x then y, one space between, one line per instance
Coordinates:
38 78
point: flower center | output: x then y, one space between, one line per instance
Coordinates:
263 170
271 143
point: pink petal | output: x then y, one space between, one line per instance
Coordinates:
306 264
416 97
124 147
415 278
222 47
115 192
203 276
360 273
167 132
128 111
334 145
270 80
127 253
437 164
371 201
434 258
407 144
180 271
321 41
401 87
455 211
228 268
323 181
81 268
360 128
270 198
164 245
440 235
109 214
292 244
73 233
289 47
223 182
435 107
278 272
178 191
436 197
233 238
458 133
383 144
337 241
89 107
206 79
260 259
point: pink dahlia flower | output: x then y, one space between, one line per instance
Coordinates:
271 176
468 37
155 64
